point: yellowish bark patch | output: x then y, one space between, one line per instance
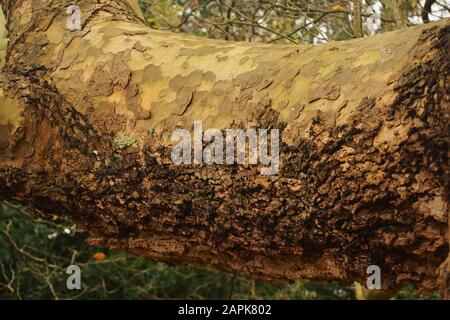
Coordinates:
10 110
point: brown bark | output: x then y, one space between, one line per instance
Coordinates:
364 156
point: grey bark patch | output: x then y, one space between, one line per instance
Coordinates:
183 101
329 92
295 111
152 73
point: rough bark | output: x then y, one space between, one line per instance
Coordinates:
364 156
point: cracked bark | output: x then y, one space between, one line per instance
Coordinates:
364 155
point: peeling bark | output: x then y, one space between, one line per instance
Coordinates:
364 155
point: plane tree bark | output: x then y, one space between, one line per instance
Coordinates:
86 118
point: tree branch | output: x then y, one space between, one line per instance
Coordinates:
364 145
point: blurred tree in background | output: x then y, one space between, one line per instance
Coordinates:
34 254
296 21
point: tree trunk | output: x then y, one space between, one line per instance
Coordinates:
85 130
426 10
395 14
357 19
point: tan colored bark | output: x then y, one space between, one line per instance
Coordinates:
426 10
364 172
3 38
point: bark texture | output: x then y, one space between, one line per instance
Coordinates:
364 175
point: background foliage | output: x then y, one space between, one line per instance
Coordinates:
294 21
